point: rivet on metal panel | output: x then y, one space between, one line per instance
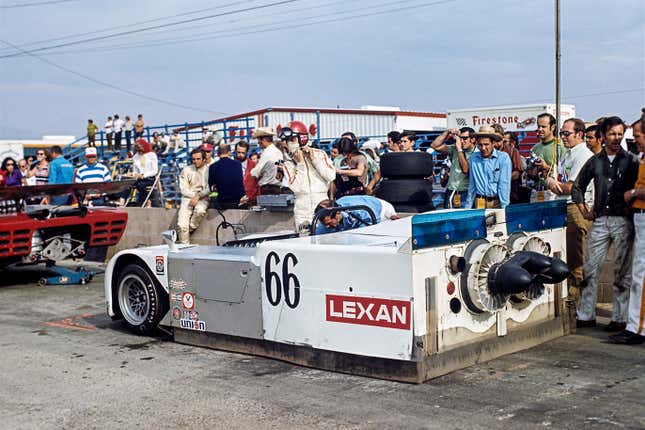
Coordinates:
414 241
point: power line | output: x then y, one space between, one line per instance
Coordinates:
140 30
38 3
130 25
228 33
109 85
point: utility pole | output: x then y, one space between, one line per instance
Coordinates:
557 69
557 84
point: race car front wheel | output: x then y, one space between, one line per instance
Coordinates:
141 300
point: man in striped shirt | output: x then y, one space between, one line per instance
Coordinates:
92 172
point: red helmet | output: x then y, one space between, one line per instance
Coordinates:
301 129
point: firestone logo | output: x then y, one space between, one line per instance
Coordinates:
368 311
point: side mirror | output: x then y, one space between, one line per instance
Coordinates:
170 237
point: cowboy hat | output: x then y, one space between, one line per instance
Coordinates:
262 132
488 131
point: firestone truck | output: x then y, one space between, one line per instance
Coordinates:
406 300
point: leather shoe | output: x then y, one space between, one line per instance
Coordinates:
583 323
615 326
627 338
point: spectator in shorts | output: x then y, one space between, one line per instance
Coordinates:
91 132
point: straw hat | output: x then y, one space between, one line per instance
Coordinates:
263 132
488 131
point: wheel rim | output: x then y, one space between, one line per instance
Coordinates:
133 299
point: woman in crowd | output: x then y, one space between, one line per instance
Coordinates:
40 170
351 176
145 166
11 173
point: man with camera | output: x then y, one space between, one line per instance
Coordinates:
459 154
545 153
308 171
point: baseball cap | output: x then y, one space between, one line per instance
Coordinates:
91 151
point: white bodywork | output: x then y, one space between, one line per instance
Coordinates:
366 291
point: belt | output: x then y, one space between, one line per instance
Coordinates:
487 198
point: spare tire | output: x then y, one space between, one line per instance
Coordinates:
397 165
413 209
405 191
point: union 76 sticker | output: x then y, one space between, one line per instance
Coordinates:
188 300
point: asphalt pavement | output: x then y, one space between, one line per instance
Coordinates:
65 365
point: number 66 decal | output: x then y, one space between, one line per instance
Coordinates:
276 285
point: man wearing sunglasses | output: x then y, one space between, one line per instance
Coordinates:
459 154
193 184
575 156
308 172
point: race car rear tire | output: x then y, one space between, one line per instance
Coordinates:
398 165
415 191
142 301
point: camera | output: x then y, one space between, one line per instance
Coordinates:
533 160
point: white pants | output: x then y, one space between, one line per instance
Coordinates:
636 319
304 206
604 231
189 218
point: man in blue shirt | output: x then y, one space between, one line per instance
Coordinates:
340 221
489 173
225 177
61 171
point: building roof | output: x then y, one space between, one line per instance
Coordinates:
333 111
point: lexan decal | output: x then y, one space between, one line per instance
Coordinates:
369 311
159 265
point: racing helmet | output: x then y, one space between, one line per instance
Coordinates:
296 128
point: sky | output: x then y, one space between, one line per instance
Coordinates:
415 54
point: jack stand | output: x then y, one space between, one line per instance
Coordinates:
67 276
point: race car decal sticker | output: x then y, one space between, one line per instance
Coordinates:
159 265
188 300
275 285
176 313
192 325
369 311
178 284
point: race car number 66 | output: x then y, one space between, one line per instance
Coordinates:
284 284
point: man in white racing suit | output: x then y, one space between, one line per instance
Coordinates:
193 183
308 172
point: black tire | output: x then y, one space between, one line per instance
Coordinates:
413 209
415 191
398 165
142 302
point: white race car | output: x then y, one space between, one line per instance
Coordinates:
406 300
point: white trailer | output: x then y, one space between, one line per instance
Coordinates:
512 118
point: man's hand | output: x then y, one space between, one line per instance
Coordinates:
298 157
629 196
458 143
553 185
586 213
193 201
